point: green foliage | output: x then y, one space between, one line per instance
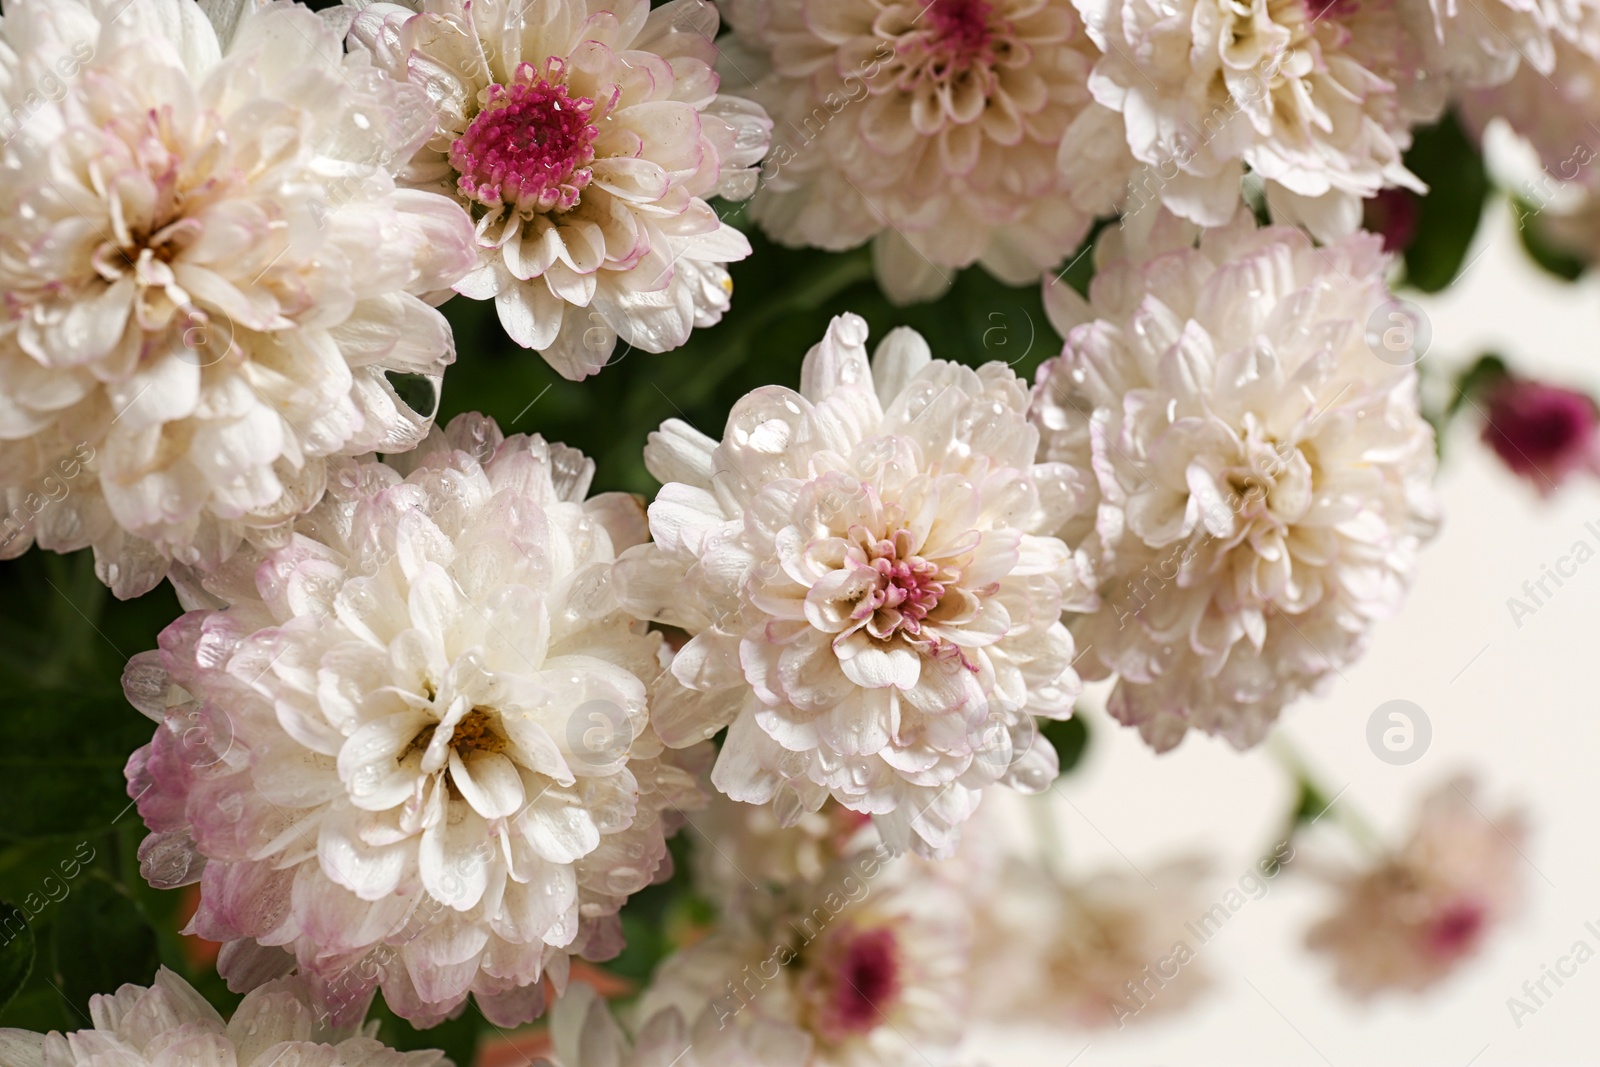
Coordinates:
1070 738
56 777
1540 248
458 1037
17 952
102 941
67 843
1473 382
1309 804
1447 218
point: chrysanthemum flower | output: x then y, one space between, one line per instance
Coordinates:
929 128
585 1035
411 748
735 845
584 138
869 960
874 600
1106 951
1556 186
194 316
171 1025
1263 477
1480 43
1412 919
1317 97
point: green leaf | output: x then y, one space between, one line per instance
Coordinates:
17 951
102 940
62 629
1447 218
61 770
415 390
1553 258
1309 803
1070 738
457 1037
1474 381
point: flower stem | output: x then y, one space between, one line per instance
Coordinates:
1314 800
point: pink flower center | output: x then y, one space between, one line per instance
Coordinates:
530 147
908 588
866 980
1456 930
961 27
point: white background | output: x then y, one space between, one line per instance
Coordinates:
1522 716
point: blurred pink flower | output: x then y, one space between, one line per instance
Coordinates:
1543 433
1412 919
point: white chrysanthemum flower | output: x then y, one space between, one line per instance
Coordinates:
1317 97
196 314
584 136
865 567
930 128
1104 951
169 1024
1418 914
735 845
585 1035
1264 478
1480 43
870 960
1549 165
412 748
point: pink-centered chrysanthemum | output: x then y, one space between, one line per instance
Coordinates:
869 960
585 137
1263 479
169 1024
207 272
410 749
1316 98
875 599
928 128
1425 908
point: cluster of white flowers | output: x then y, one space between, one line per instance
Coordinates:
435 710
